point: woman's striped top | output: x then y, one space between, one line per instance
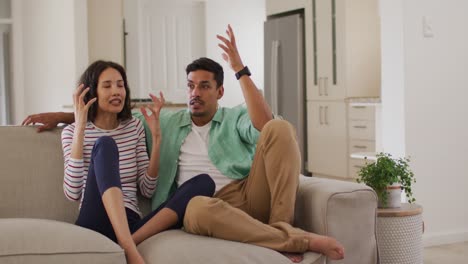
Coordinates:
133 161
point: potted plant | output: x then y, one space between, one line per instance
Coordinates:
388 176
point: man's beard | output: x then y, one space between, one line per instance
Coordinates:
198 114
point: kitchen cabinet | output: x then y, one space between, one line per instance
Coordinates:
342 49
361 134
327 151
343 61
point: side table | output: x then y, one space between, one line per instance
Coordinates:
399 234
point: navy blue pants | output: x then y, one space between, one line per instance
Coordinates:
104 173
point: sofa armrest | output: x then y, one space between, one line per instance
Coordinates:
343 210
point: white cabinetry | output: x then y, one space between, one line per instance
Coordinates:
322 79
342 61
361 134
343 49
326 125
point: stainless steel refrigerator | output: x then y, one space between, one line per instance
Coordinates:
285 73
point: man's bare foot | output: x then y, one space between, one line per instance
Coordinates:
294 257
327 246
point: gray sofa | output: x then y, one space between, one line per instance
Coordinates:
36 220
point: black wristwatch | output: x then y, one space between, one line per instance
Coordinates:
244 71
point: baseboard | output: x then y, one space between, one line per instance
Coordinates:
443 238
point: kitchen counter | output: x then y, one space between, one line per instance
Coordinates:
363 100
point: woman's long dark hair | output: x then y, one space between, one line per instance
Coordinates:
90 78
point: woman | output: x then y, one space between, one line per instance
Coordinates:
106 159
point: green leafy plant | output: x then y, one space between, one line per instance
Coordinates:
387 171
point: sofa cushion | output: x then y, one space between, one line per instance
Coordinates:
177 246
48 241
31 182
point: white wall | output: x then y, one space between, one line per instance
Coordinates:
17 92
246 17
47 55
435 74
436 113
393 72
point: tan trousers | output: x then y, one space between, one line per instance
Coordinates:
259 209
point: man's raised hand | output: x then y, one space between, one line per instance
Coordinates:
230 54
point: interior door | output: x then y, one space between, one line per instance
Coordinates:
163 37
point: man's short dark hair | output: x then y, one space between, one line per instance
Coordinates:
207 65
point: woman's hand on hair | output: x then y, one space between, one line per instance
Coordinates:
153 119
231 54
81 108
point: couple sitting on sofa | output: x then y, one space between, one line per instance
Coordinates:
253 162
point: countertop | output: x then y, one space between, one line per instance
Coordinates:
363 100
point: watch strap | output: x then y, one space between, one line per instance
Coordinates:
244 71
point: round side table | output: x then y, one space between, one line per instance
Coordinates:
399 234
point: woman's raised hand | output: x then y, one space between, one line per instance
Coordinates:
81 108
155 109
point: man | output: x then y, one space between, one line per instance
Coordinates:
254 161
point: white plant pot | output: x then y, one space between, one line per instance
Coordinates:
393 197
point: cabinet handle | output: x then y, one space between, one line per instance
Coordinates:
358 166
362 127
326 86
359 107
326 115
320 115
359 147
320 86
274 75
125 34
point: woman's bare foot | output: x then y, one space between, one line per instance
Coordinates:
294 257
134 257
327 246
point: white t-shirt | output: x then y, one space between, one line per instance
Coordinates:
194 159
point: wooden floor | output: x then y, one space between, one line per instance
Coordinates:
446 254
